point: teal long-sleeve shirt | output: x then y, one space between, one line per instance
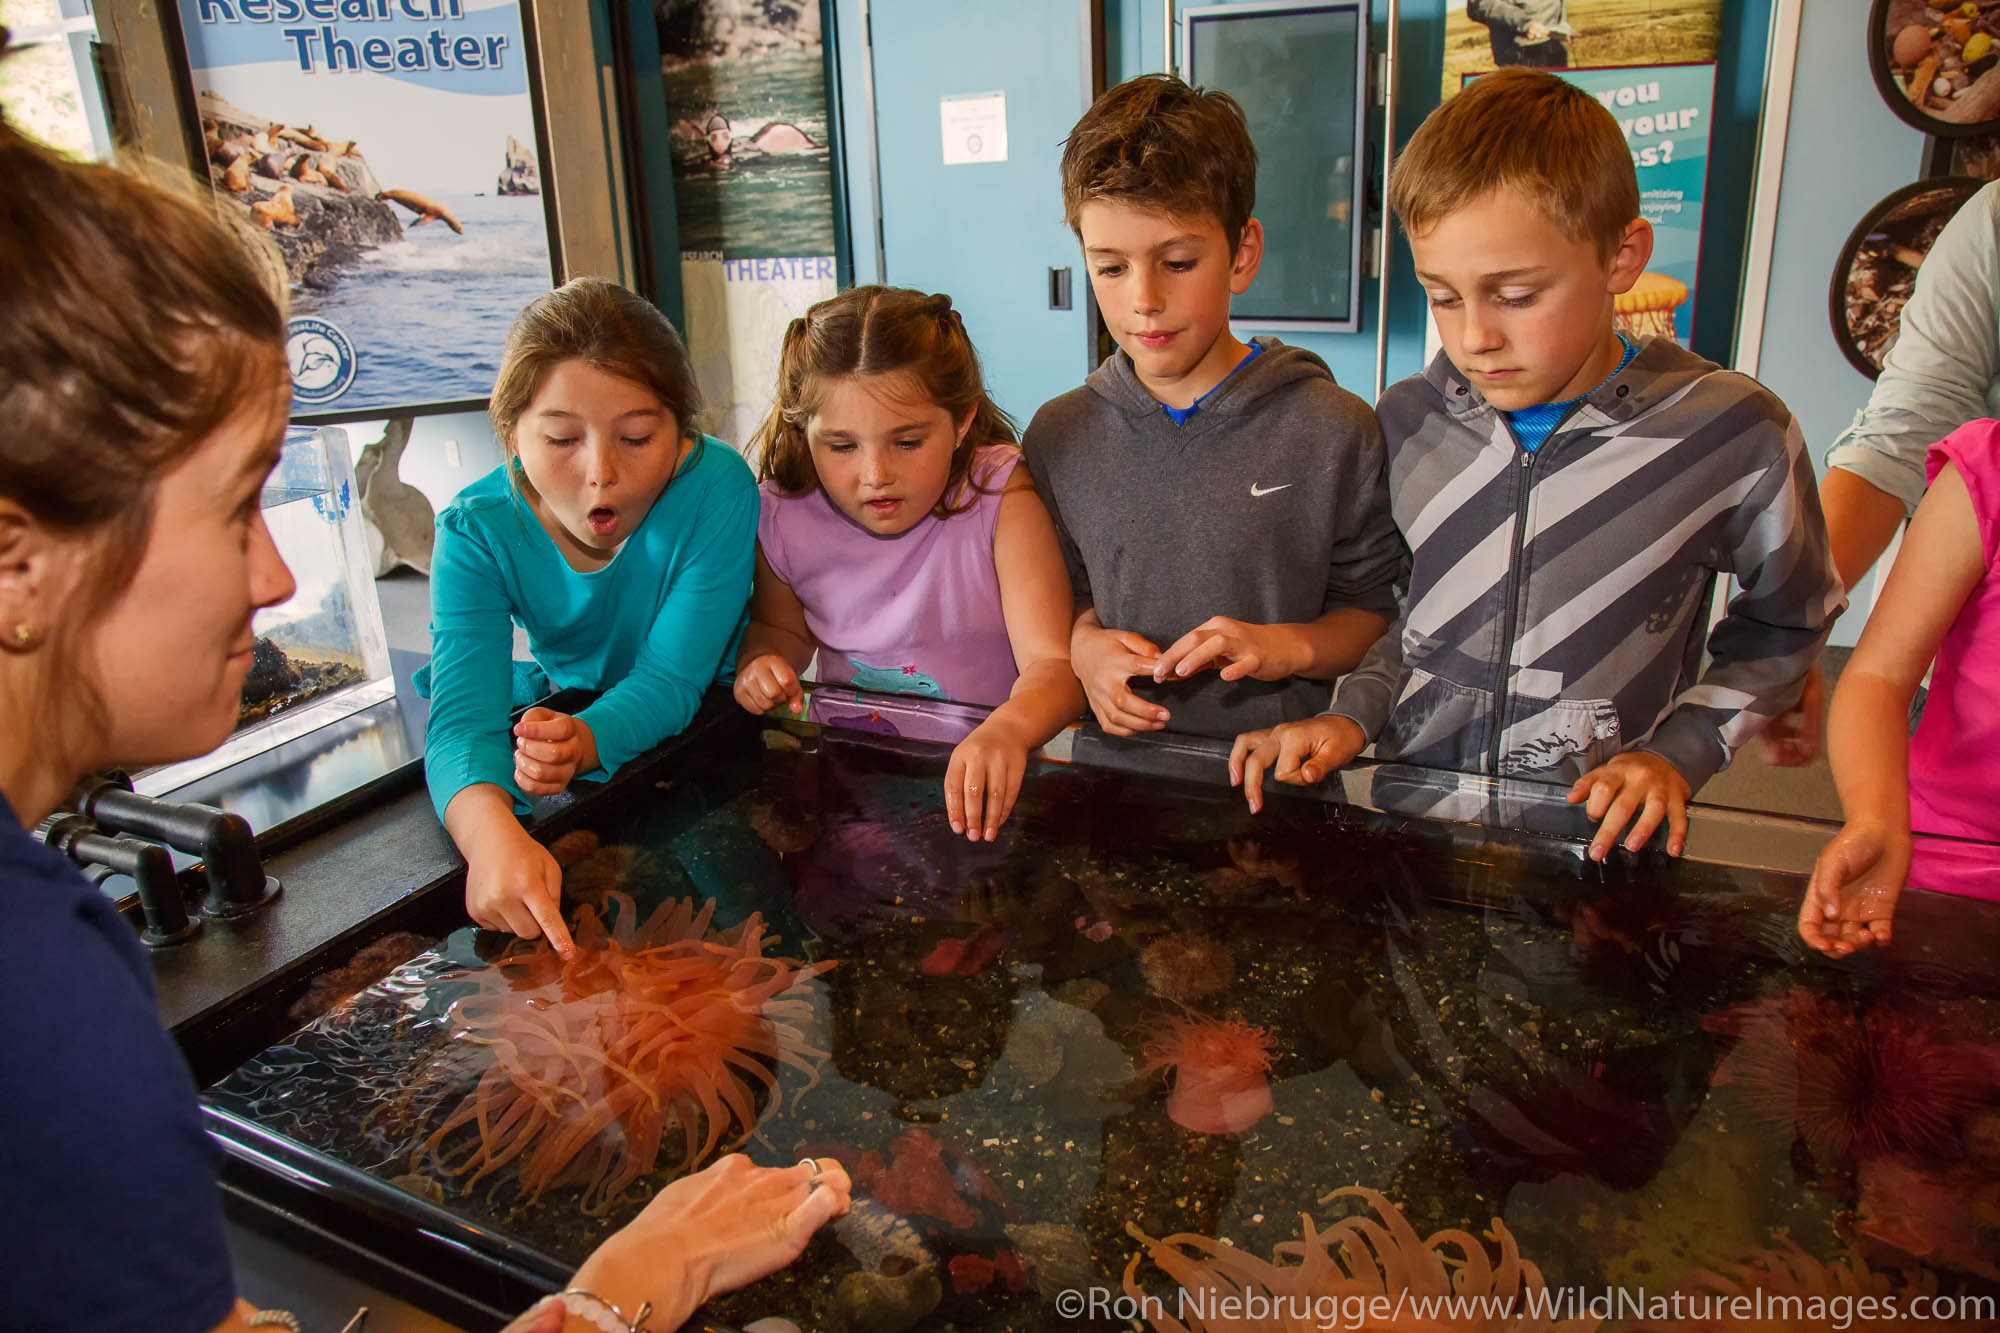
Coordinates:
651 629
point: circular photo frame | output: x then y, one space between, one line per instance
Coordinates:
1940 74
1878 265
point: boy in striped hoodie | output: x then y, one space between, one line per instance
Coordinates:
1569 497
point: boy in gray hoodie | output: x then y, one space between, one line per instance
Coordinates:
1570 497
1223 499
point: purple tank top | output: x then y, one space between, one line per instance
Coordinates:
918 613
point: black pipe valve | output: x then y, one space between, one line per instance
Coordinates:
237 884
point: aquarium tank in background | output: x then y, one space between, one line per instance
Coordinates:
322 655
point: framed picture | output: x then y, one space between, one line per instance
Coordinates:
1480 35
393 154
1877 269
1665 112
755 144
1300 70
1941 75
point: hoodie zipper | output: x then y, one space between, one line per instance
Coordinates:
1524 487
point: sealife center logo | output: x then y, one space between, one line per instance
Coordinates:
322 360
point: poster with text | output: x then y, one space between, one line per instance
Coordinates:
388 147
1665 113
753 189
1480 35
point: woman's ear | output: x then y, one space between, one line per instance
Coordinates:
31 564
958 435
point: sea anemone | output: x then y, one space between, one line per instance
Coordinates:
587 1066
1220 1072
1309 1283
574 846
1852 1086
1187 968
593 878
1800 1283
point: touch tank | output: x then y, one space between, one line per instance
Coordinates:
322 655
1147 1059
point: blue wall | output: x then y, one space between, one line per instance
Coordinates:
1135 43
1844 150
1135 40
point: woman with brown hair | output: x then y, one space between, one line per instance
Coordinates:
621 539
144 392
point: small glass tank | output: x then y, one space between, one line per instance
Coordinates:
322 655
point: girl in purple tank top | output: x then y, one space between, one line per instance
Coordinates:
900 541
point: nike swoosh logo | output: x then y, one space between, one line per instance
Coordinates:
1261 491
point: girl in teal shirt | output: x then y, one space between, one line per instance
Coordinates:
621 540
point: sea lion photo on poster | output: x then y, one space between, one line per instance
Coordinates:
388 149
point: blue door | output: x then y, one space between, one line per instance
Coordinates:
987 232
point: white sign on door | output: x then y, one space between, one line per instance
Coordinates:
975 127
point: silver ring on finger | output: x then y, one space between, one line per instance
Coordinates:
812 1183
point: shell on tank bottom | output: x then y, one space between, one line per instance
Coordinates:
886 1302
1058 1256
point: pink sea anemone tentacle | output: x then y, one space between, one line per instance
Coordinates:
1221 1072
1355 1258
654 1033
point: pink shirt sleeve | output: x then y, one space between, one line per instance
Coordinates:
1974 449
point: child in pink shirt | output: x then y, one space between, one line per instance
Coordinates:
1942 600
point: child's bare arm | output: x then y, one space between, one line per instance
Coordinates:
1859 875
777 645
986 769
511 881
1318 649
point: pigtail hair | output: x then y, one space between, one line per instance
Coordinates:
958 359
783 455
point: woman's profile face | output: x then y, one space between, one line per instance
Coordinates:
169 656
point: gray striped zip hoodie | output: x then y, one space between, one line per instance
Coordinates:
1556 600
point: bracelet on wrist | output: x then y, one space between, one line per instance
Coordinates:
600 1313
284 1319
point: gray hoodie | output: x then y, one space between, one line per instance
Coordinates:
1558 599
1270 506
